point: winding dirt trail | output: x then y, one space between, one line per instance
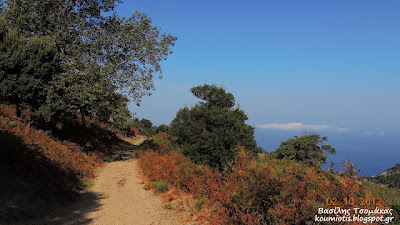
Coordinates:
117 196
125 201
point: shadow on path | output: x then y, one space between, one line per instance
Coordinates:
125 149
77 213
30 199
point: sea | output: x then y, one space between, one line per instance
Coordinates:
371 154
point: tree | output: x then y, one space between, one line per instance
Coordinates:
26 68
308 147
349 169
162 128
213 96
209 131
146 126
100 53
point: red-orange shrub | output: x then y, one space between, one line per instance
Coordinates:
257 190
178 170
162 136
159 143
131 131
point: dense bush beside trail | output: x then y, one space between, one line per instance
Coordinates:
257 189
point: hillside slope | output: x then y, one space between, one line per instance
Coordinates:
391 171
390 177
37 171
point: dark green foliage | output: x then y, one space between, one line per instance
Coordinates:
210 130
308 147
162 128
393 170
391 180
104 59
396 213
390 177
26 68
213 96
145 126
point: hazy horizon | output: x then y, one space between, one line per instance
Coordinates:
371 154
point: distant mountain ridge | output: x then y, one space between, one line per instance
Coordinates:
391 171
390 177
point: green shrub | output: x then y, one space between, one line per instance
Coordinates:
199 205
160 186
169 205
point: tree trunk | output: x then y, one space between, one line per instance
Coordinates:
83 120
18 110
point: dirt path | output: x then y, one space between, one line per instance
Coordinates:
124 199
117 197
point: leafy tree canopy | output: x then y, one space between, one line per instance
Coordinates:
209 131
308 147
99 53
213 96
26 68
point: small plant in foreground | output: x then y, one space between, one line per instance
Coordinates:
160 186
200 204
169 205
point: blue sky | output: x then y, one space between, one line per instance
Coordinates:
291 65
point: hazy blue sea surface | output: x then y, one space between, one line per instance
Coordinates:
371 154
